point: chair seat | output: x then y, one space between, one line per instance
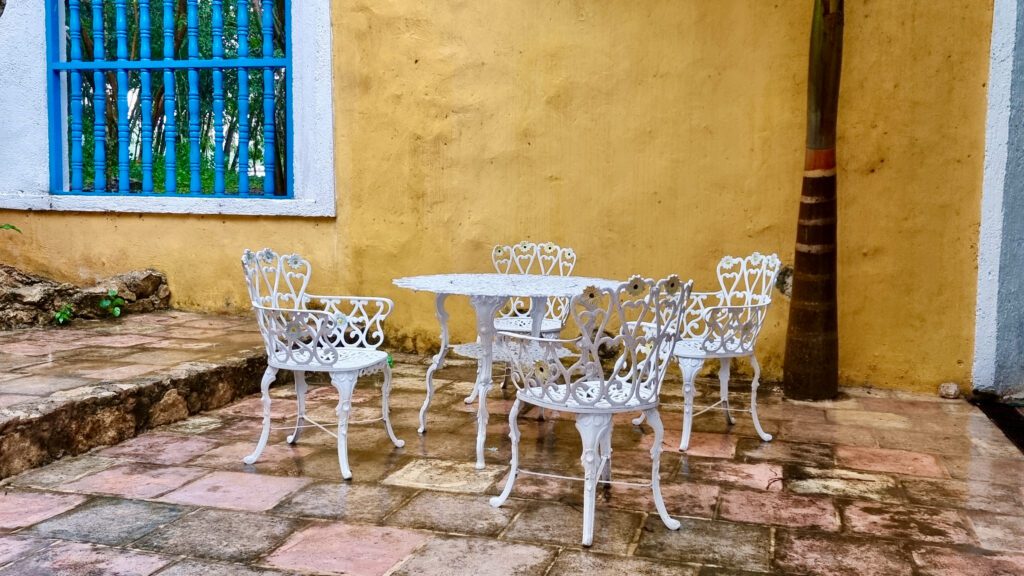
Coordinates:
348 359
525 325
694 348
623 394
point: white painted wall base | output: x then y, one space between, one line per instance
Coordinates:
998 366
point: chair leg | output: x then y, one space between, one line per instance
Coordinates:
513 426
724 364
690 367
606 456
592 428
385 393
753 399
638 420
300 401
344 382
654 419
268 379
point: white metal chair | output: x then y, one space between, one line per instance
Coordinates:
725 325
643 315
304 332
546 258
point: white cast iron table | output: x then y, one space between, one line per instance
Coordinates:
487 293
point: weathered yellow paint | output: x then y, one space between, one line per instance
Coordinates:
653 137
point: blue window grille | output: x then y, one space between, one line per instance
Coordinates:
170 97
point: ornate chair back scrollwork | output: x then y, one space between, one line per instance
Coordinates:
276 281
303 332
546 259
639 319
725 325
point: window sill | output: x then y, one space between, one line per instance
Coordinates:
317 205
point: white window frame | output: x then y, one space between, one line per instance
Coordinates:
24 138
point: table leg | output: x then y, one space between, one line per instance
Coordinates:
486 307
538 309
438 362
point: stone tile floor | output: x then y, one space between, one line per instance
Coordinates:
875 483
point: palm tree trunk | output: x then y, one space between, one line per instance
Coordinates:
811 366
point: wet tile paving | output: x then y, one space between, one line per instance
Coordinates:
875 483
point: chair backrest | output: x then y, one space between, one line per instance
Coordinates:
638 319
731 324
546 259
749 280
276 281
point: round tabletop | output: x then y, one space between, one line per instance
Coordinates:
503 285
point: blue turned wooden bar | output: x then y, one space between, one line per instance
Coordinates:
145 53
121 24
150 129
194 148
243 98
99 102
218 97
75 32
170 124
269 155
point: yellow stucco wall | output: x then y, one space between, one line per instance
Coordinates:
652 137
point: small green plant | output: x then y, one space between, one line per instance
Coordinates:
10 227
112 304
391 361
64 314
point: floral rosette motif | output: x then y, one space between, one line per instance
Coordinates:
590 297
541 371
673 284
635 286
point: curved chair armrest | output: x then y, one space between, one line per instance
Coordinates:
693 320
700 301
356 307
733 329
364 316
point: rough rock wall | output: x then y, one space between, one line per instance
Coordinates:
29 300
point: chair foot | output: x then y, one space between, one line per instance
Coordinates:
753 400
268 379
513 471
386 409
654 418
